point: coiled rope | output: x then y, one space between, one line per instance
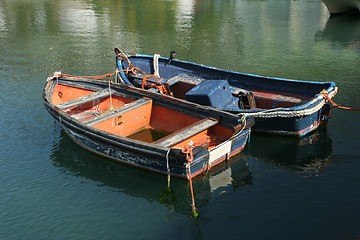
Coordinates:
283 112
163 88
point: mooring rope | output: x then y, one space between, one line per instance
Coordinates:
243 123
326 95
187 149
168 167
57 75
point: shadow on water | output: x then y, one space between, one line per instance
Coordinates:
72 159
344 29
308 154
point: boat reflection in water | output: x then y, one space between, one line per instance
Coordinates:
226 177
344 29
309 154
337 7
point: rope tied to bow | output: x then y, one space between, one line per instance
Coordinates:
327 97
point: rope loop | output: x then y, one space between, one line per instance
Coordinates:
132 70
163 88
187 149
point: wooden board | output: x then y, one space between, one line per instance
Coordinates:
186 133
85 99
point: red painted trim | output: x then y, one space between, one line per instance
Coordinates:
310 128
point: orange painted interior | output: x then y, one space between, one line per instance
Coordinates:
148 116
128 122
170 121
100 105
213 136
64 93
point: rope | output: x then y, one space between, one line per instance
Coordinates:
111 103
57 75
123 56
116 76
156 65
144 80
326 95
132 70
167 166
283 112
187 149
93 77
163 88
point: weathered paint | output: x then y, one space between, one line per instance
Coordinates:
270 93
100 133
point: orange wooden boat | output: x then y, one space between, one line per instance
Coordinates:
148 130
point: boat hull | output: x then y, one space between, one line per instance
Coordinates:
341 6
150 160
146 155
277 117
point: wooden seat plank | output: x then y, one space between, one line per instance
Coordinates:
85 99
188 132
118 111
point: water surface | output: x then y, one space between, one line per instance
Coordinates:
277 188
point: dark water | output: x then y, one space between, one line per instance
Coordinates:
277 188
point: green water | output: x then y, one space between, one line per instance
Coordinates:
148 135
277 188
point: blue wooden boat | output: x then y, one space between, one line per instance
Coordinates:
279 106
134 126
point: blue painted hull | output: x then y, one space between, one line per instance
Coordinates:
296 120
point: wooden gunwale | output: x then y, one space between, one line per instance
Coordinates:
188 108
101 121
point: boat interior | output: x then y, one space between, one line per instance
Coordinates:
138 119
219 93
